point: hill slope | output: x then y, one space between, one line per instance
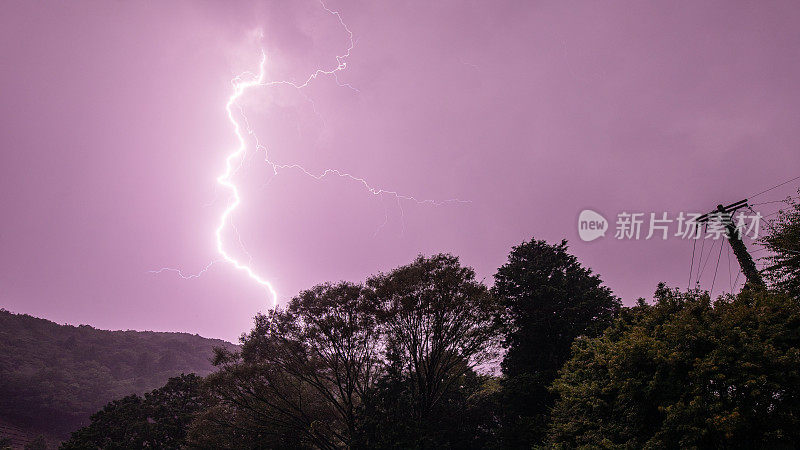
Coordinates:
53 377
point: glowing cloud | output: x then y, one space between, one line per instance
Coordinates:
234 160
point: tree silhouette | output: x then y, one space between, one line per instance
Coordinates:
304 371
439 325
157 420
548 299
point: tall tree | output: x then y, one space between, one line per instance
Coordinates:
548 299
439 325
305 370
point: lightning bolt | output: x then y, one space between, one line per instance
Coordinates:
235 160
240 86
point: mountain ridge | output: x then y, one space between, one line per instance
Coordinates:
54 376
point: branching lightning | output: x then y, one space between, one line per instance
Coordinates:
236 159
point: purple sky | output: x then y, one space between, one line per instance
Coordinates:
114 130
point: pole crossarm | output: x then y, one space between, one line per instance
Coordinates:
725 215
730 209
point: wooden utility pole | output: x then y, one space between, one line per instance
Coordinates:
725 215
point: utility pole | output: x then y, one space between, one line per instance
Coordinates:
725 215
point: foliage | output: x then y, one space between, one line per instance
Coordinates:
157 420
438 324
394 363
465 417
53 377
302 374
38 443
686 372
548 300
782 239
352 366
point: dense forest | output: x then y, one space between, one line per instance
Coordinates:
53 377
400 361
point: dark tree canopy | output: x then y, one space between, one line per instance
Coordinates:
157 420
438 325
397 362
782 239
548 299
686 373
352 366
303 372
438 321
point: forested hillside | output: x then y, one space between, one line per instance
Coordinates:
53 377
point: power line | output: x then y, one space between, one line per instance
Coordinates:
770 215
707 257
715 270
724 215
774 187
691 266
700 261
730 276
786 200
746 263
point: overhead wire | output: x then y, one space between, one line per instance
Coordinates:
691 266
707 258
715 270
774 187
701 266
700 261
730 275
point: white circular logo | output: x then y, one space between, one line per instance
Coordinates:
591 225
